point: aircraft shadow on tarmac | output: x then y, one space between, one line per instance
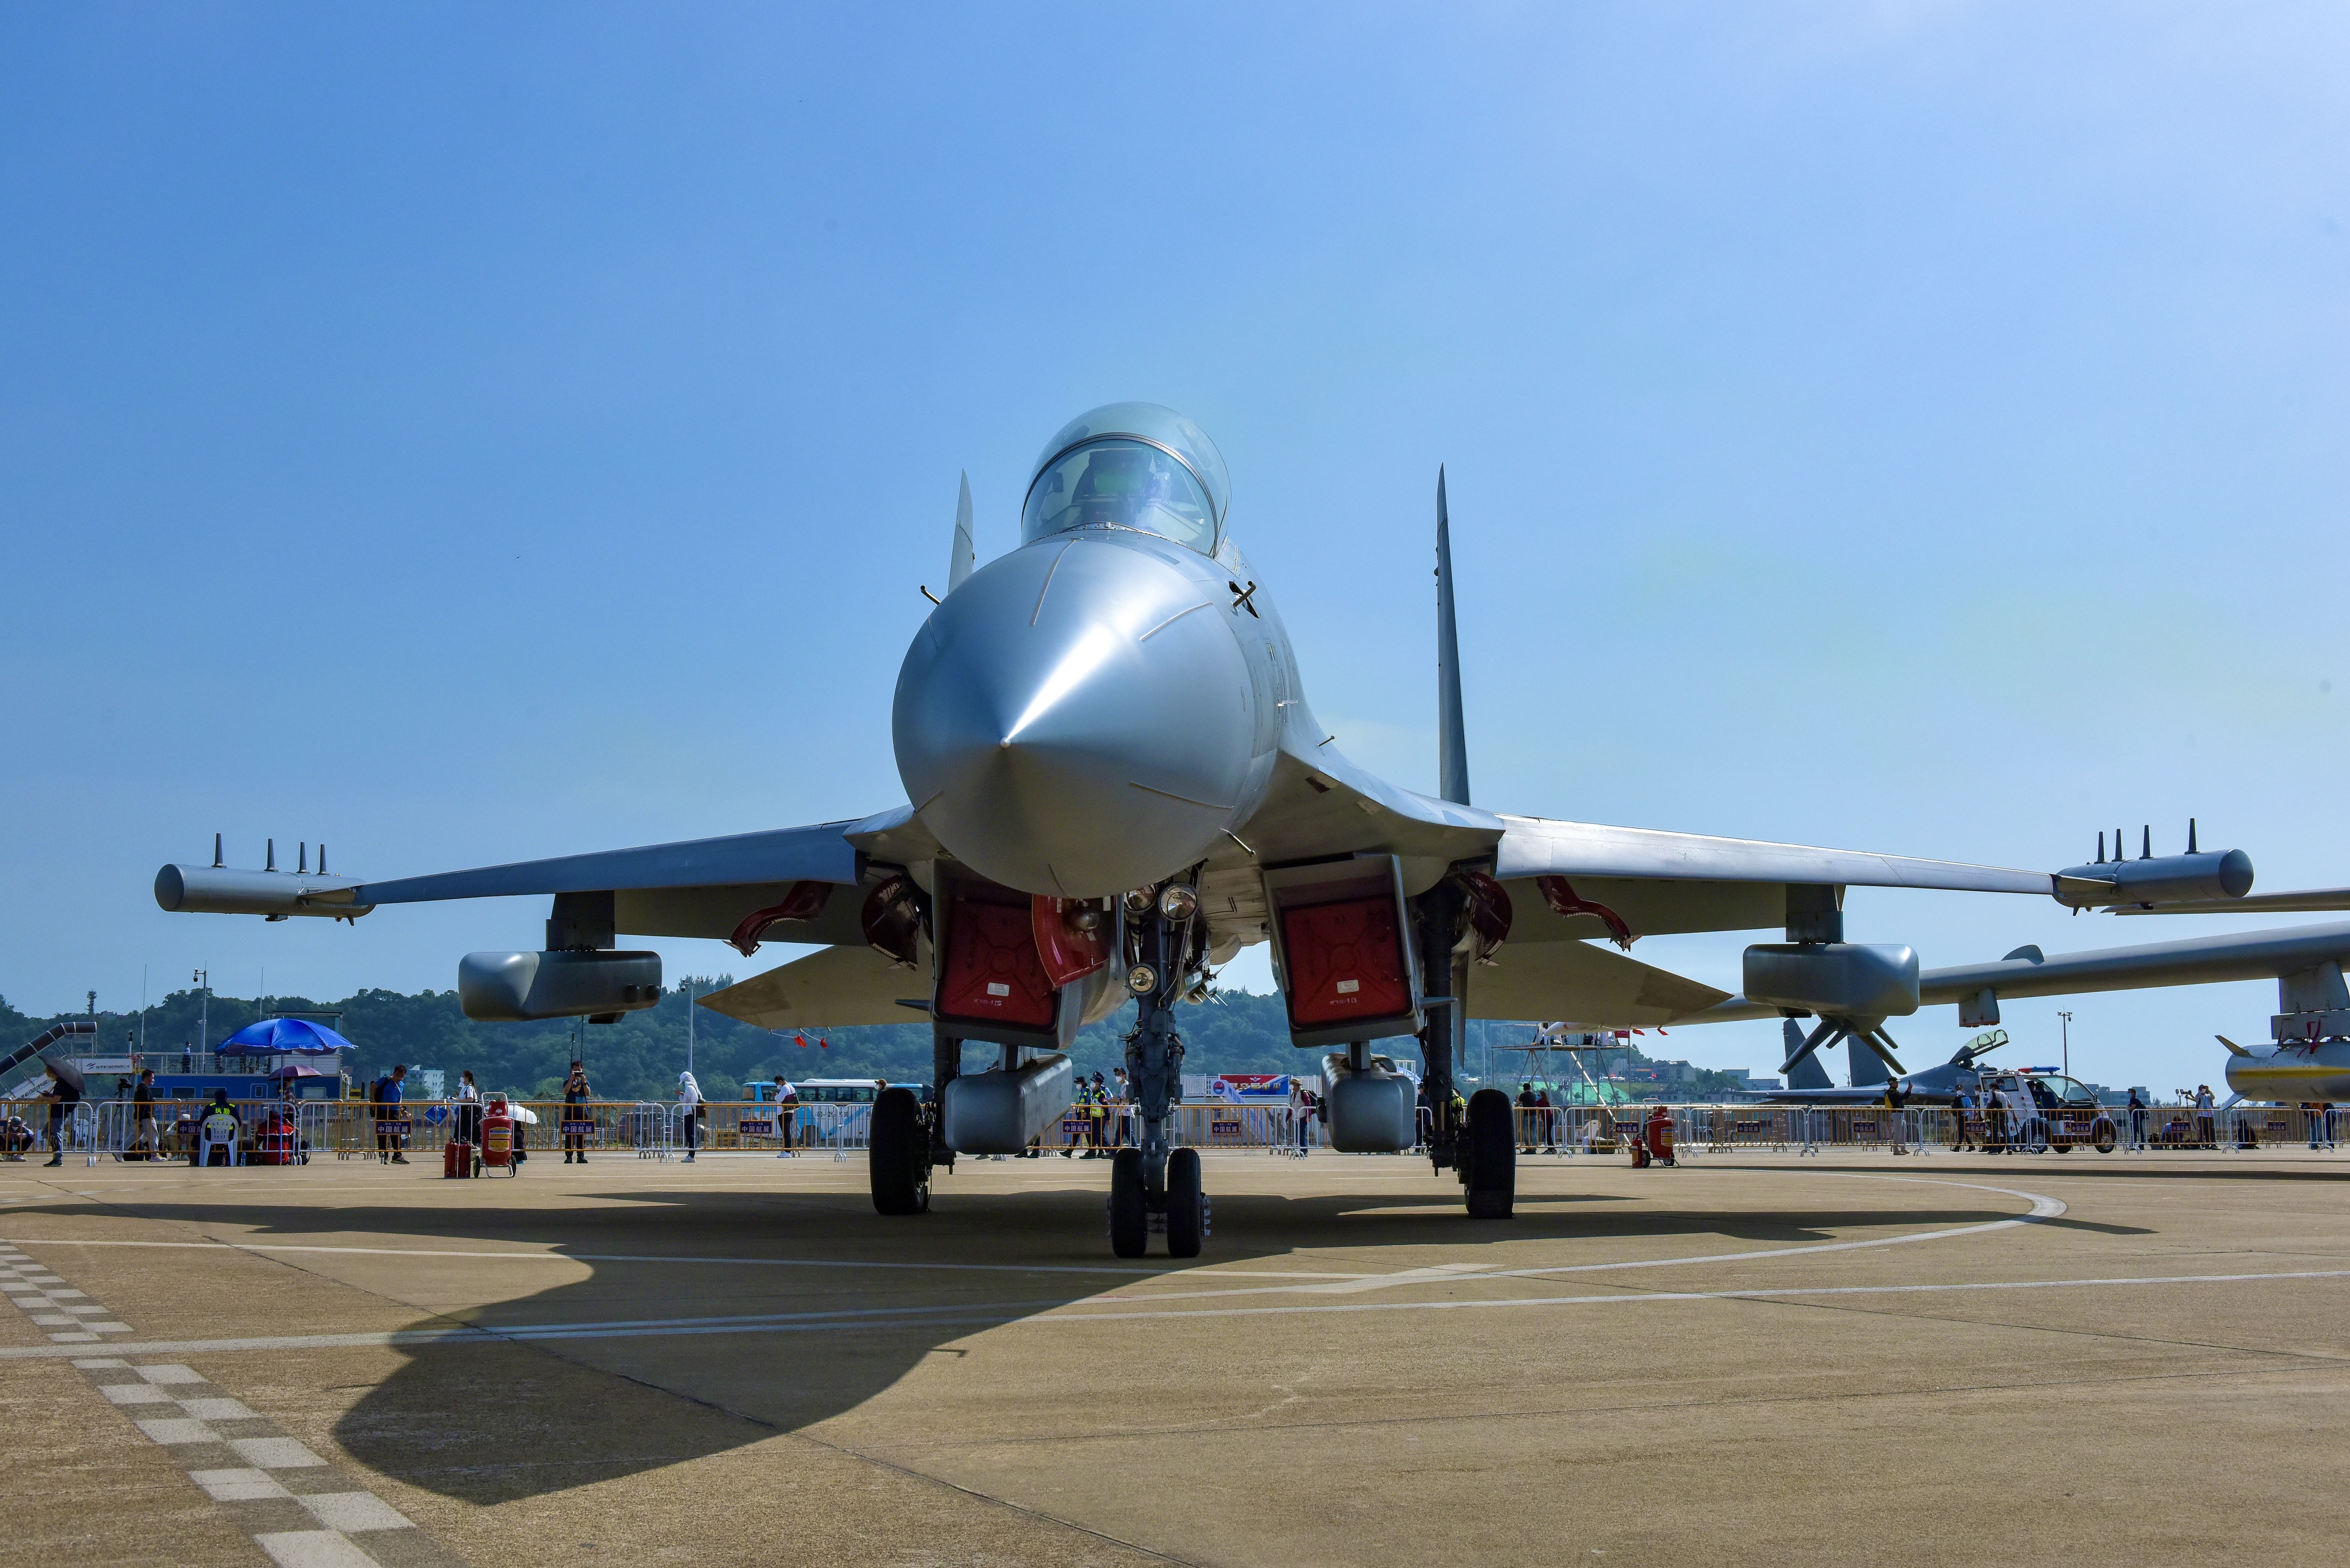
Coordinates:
491 1423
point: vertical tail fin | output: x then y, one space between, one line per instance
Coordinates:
959 565
1452 738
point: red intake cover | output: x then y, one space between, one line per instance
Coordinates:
1069 955
1346 961
991 971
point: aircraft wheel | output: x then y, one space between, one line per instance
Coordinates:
899 1155
2105 1135
1130 1222
1492 1169
1187 1206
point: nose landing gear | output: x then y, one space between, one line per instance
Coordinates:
1156 1187
1182 1213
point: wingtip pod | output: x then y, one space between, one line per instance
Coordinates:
2203 875
225 890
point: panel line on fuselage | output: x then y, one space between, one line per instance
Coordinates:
1047 587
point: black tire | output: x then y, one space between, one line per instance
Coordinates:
900 1154
1492 1157
2103 1135
1130 1222
1187 1206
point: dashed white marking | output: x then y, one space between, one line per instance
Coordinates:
355 1511
313 1549
135 1394
237 1486
272 1453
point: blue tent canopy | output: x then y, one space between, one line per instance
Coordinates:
284 1037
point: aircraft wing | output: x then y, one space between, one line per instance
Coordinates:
1586 983
1659 882
696 887
828 989
2195 960
820 853
2308 901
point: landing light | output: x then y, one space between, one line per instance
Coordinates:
1137 902
1142 979
1179 902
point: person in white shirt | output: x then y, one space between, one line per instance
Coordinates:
468 1109
688 1103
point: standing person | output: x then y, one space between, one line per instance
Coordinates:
385 1093
468 1109
2137 1120
1305 1106
688 1105
1527 1117
575 1094
1547 1119
144 1136
1097 1120
2206 1130
1121 1099
63 1093
787 1106
1896 1112
1078 1105
1961 1102
2325 1116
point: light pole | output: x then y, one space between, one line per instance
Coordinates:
203 979
2068 1042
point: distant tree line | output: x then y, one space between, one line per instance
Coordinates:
639 1056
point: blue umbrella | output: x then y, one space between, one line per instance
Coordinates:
282 1037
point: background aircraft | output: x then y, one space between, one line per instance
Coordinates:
1114 783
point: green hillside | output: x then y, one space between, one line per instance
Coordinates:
639 1056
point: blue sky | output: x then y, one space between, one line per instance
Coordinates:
465 434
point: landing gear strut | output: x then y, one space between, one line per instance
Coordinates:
1480 1146
1156 1186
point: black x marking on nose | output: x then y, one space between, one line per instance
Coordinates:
1244 597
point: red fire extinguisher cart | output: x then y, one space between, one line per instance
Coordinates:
498 1134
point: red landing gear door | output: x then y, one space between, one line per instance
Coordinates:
990 972
1342 937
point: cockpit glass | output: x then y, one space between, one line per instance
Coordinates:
1120 484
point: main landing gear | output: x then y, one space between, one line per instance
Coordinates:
1480 1147
1156 1186
899 1155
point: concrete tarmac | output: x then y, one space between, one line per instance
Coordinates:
1948 1359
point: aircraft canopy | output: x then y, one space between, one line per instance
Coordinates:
1129 465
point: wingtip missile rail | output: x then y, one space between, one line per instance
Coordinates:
2198 876
222 889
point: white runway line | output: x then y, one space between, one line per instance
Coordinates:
543 1257
958 1317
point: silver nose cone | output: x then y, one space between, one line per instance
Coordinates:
1076 719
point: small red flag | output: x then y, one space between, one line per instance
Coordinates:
803 1040
822 1043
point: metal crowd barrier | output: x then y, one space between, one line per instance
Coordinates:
291 1131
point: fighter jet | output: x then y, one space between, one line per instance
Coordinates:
1115 781
1808 1083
